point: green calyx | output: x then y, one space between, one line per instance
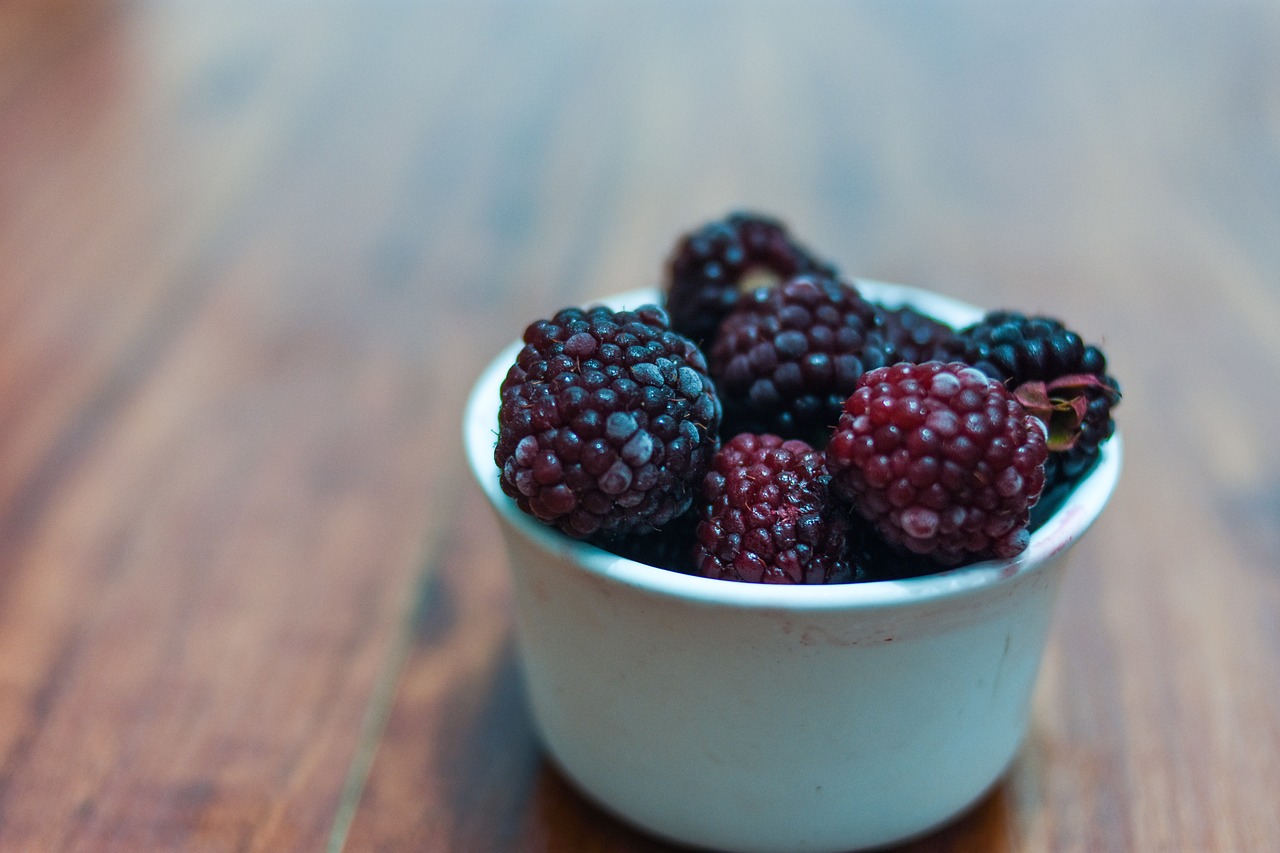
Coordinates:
1062 405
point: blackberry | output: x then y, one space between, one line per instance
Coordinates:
607 423
1056 376
786 358
874 558
917 337
941 459
768 517
708 266
669 547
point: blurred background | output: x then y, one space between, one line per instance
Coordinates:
253 254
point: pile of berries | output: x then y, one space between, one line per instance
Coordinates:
795 431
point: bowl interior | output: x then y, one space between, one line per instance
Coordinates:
1053 537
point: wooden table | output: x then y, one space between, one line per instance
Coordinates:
252 255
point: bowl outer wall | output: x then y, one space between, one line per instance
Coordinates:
751 717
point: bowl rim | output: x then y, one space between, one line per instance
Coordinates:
1077 513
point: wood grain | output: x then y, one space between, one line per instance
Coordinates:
251 258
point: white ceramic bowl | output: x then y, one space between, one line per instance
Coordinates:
754 717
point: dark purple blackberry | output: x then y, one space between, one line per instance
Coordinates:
786 358
709 265
874 558
917 337
941 459
669 547
1056 376
607 423
768 517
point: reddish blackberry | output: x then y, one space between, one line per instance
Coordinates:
708 266
768 516
1056 376
942 459
786 358
917 337
607 423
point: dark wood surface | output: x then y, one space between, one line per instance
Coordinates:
253 254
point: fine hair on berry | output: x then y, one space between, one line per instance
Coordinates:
607 422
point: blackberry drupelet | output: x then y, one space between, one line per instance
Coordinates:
917 337
786 358
941 459
708 266
1056 376
768 516
607 423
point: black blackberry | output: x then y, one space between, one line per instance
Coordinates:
607 423
874 558
768 515
708 266
1056 376
669 547
786 358
918 337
